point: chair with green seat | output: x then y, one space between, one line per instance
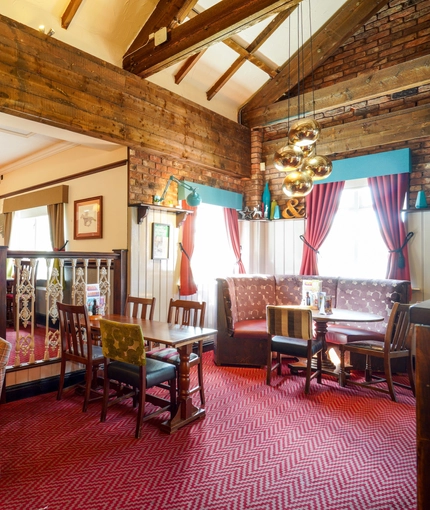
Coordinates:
290 333
131 373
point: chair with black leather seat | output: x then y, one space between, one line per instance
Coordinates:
131 373
186 313
396 344
77 346
290 333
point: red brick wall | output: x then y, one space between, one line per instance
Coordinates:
397 33
148 175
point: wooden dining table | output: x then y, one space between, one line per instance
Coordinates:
321 327
182 338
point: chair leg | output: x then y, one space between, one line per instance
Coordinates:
141 408
342 377
62 375
173 397
269 364
88 382
411 374
105 401
389 378
368 370
319 367
200 379
279 363
308 374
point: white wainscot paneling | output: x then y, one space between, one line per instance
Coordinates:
419 248
272 247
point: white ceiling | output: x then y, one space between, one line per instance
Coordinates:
106 28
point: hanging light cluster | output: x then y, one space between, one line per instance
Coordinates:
298 158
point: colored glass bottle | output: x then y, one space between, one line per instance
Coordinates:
266 200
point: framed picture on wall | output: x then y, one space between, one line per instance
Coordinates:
160 240
89 218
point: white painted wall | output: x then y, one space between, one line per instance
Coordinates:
112 185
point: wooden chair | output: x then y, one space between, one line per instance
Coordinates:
396 344
290 333
186 313
143 308
77 346
127 369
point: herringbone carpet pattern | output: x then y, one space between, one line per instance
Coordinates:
258 448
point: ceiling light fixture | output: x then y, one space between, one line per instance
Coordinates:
298 158
193 199
50 33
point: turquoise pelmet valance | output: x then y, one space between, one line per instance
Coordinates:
372 165
213 196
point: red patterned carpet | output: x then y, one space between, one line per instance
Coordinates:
258 448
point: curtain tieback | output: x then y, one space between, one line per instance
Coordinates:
183 251
401 260
62 248
308 244
239 260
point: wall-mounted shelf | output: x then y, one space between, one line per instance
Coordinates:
413 209
143 210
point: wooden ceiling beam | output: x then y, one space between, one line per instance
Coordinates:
187 66
403 76
46 80
213 25
413 123
344 23
247 54
69 13
167 13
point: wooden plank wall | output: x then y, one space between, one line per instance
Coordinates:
51 82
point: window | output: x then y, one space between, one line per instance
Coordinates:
30 232
354 246
212 258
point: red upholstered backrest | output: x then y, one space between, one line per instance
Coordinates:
250 295
289 288
372 296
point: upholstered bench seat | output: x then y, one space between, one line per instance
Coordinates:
242 302
255 329
342 334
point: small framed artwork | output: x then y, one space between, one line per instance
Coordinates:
160 240
89 218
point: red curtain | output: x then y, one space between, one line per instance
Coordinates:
388 195
232 226
187 284
321 206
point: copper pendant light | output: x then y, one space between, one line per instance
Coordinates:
288 158
297 184
319 166
308 150
304 132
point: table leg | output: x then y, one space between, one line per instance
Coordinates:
186 411
328 367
